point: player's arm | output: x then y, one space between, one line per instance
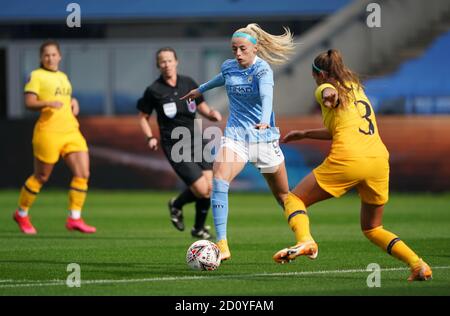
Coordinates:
215 82
33 103
144 121
32 90
265 85
330 97
319 133
211 114
266 95
145 107
75 106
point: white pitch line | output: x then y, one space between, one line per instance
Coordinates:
40 283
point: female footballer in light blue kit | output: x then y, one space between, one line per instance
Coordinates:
250 133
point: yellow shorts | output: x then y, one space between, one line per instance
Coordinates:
370 176
48 146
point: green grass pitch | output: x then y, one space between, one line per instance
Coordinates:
137 251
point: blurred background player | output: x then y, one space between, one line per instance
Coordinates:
56 133
358 158
163 96
250 133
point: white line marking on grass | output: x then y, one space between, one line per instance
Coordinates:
56 282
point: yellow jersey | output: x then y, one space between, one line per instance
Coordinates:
353 126
53 86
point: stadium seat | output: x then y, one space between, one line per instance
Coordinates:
419 86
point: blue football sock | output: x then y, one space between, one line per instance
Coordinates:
219 201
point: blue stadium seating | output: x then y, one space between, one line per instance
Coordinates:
420 86
119 9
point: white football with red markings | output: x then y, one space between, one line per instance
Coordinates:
203 255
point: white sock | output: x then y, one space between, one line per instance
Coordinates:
22 213
75 214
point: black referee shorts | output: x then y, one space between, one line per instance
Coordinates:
189 172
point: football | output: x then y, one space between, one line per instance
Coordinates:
203 255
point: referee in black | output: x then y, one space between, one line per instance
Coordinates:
163 96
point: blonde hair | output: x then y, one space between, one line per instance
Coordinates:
274 49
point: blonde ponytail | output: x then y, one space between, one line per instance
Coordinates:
275 49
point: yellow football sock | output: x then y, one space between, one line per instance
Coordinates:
390 243
298 220
29 192
77 193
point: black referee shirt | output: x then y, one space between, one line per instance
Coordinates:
171 111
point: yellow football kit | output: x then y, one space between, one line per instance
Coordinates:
56 132
358 158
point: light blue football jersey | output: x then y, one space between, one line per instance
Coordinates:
246 104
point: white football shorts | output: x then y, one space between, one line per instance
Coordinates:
266 156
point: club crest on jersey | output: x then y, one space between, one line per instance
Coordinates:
250 79
192 106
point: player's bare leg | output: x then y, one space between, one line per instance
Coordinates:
278 183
